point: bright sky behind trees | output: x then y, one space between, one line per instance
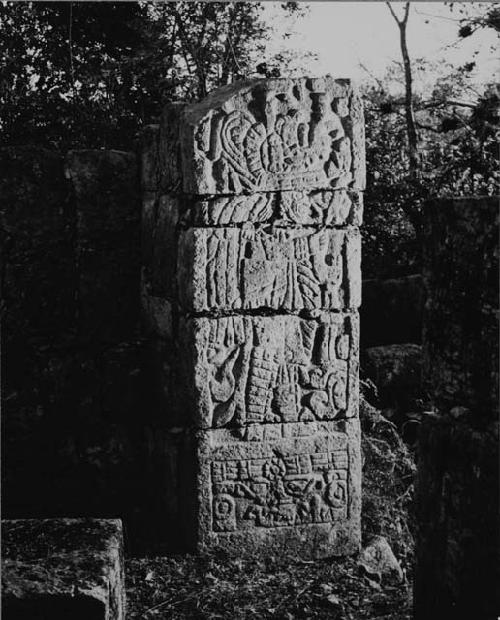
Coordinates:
347 34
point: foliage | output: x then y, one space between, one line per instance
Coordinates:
78 74
91 75
458 156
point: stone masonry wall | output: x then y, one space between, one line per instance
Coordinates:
72 381
458 543
251 284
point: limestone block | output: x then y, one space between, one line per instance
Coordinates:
169 151
149 158
317 208
108 209
106 193
63 568
258 370
156 313
36 245
283 269
461 275
458 538
279 134
160 215
296 493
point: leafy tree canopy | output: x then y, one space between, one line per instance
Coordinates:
93 73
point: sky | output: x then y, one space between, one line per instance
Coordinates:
347 34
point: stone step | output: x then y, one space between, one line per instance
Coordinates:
59 569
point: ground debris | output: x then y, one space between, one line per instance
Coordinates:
211 586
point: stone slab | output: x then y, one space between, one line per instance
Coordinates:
458 533
149 158
316 208
262 370
62 568
160 215
461 272
228 269
294 494
278 134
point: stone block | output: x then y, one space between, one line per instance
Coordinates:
299 493
317 208
249 268
108 293
461 330
169 149
278 134
458 534
106 195
257 370
36 247
63 568
156 313
160 216
149 158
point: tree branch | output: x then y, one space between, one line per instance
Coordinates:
407 12
392 12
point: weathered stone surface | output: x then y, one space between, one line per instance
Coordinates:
156 313
149 158
461 274
231 269
282 134
160 216
106 201
458 533
169 149
250 288
259 370
317 208
36 229
300 491
378 561
458 542
63 568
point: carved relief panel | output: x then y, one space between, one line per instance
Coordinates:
274 135
249 268
316 208
296 488
274 370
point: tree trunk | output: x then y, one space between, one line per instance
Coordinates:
410 116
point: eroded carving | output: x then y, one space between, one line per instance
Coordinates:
275 370
318 208
286 269
277 134
280 490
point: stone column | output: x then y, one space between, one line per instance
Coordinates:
458 560
263 289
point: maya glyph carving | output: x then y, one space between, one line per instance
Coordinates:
262 199
274 134
256 370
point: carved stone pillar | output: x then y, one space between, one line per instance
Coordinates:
252 249
458 565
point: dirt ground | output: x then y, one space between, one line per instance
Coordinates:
217 586
209 587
